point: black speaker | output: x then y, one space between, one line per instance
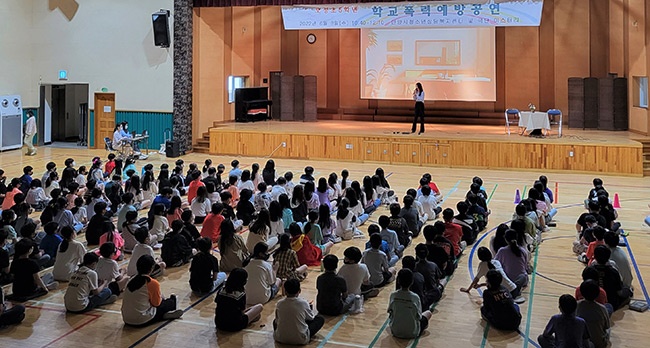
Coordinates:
620 104
591 103
606 104
576 102
172 149
160 22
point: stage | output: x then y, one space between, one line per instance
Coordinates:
471 146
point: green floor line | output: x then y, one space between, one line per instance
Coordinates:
383 327
491 194
485 334
530 300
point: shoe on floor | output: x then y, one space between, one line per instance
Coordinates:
175 314
551 224
624 233
111 299
520 300
370 293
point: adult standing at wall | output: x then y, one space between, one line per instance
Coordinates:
418 96
30 132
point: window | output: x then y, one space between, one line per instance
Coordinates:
235 82
641 91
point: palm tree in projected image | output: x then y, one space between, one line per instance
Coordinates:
375 80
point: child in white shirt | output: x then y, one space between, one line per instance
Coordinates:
144 248
108 271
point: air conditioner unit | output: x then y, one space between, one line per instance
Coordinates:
11 122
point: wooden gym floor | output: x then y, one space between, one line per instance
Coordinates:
456 321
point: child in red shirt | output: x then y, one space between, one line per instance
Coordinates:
308 253
212 223
194 186
110 164
599 234
453 232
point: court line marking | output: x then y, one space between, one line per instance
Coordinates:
555 281
453 189
381 330
636 269
270 333
333 330
88 313
485 334
491 194
75 329
531 295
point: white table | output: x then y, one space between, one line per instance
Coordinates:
534 120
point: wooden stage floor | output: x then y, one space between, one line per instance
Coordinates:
441 145
456 322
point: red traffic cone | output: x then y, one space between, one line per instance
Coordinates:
617 203
517 197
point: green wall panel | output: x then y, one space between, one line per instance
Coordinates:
156 123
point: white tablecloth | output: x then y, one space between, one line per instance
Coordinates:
534 120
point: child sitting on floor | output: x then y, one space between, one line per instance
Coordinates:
175 250
333 298
231 314
565 329
27 283
308 254
144 248
204 271
499 309
143 302
385 247
110 235
314 232
69 255
406 317
263 285
285 261
377 262
596 316
86 291
295 322
212 223
10 316
108 271
346 222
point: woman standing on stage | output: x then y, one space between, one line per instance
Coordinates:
418 96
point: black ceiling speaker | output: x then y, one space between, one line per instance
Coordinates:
160 22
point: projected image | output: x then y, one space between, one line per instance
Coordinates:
451 64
